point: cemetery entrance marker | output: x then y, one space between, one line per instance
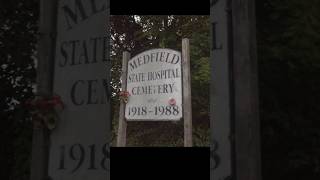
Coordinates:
72 65
154 85
78 144
152 89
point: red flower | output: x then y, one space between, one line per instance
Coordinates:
172 101
124 93
45 103
56 100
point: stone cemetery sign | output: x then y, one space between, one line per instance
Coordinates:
78 149
154 84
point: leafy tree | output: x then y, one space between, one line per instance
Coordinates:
18 30
288 50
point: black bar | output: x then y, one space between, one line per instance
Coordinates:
138 162
160 7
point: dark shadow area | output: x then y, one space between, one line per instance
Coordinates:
289 69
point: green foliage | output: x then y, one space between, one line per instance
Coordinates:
18 30
289 59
